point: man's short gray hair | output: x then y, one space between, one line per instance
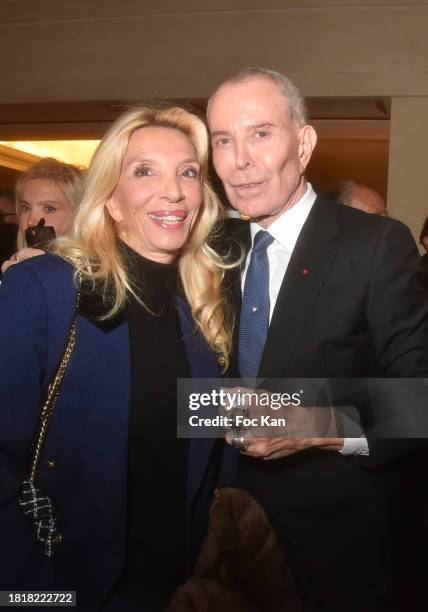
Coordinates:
295 102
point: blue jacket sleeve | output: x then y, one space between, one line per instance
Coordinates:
23 349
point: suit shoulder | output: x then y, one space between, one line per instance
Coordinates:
360 222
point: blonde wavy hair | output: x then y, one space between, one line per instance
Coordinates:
93 247
67 177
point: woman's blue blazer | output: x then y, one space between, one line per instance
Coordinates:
84 463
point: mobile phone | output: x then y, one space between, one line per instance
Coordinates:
39 236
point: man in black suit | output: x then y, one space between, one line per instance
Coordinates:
344 303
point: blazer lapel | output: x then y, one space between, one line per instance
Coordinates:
104 419
93 308
203 365
307 270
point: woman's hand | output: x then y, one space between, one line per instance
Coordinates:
21 255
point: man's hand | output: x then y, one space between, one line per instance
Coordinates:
275 448
21 255
263 430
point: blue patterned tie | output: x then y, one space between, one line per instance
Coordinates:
254 322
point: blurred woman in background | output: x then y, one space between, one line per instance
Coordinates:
48 191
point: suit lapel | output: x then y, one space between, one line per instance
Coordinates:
308 268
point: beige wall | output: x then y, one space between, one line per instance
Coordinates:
76 50
408 161
80 50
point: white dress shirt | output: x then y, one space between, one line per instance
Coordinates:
286 230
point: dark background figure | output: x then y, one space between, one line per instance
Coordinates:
7 208
8 226
358 196
424 242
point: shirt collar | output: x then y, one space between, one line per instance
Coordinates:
287 227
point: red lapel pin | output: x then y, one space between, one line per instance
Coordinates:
305 271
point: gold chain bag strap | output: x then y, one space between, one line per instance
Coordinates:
37 506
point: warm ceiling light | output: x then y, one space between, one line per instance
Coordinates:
77 152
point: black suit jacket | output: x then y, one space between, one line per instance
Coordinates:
351 306
424 267
352 302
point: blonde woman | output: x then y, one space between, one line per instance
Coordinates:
131 499
47 194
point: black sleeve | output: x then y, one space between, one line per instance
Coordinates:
397 314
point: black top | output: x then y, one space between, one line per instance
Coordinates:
157 459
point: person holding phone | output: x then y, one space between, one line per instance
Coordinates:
46 198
